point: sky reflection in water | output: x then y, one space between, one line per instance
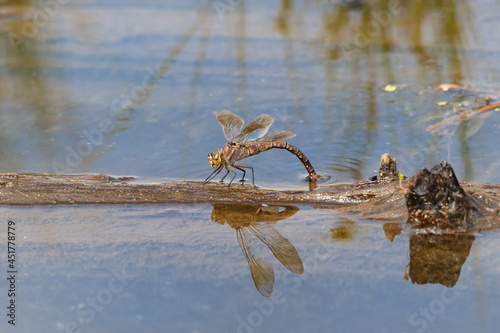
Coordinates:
130 89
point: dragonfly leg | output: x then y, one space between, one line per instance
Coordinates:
224 176
213 174
229 170
242 170
239 167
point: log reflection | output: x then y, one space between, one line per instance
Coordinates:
249 219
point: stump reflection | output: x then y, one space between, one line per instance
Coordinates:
438 258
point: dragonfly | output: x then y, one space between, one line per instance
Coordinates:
250 141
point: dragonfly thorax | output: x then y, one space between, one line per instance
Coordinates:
214 158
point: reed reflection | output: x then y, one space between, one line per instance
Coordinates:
257 220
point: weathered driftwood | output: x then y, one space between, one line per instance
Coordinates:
379 198
18 189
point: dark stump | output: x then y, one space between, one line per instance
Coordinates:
436 200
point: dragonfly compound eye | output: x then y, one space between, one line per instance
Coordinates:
214 158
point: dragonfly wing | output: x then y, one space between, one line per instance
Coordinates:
277 136
281 247
231 124
256 129
262 271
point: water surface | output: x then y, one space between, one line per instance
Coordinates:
130 88
173 268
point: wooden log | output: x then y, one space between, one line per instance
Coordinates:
374 199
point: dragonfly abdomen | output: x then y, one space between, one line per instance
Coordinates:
258 147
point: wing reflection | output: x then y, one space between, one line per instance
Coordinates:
249 219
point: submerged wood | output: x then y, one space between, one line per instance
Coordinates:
20 189
372 199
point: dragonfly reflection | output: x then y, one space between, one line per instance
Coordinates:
249 219
250 141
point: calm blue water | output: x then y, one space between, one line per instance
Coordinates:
172 268
130 88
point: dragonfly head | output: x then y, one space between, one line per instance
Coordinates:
214 158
